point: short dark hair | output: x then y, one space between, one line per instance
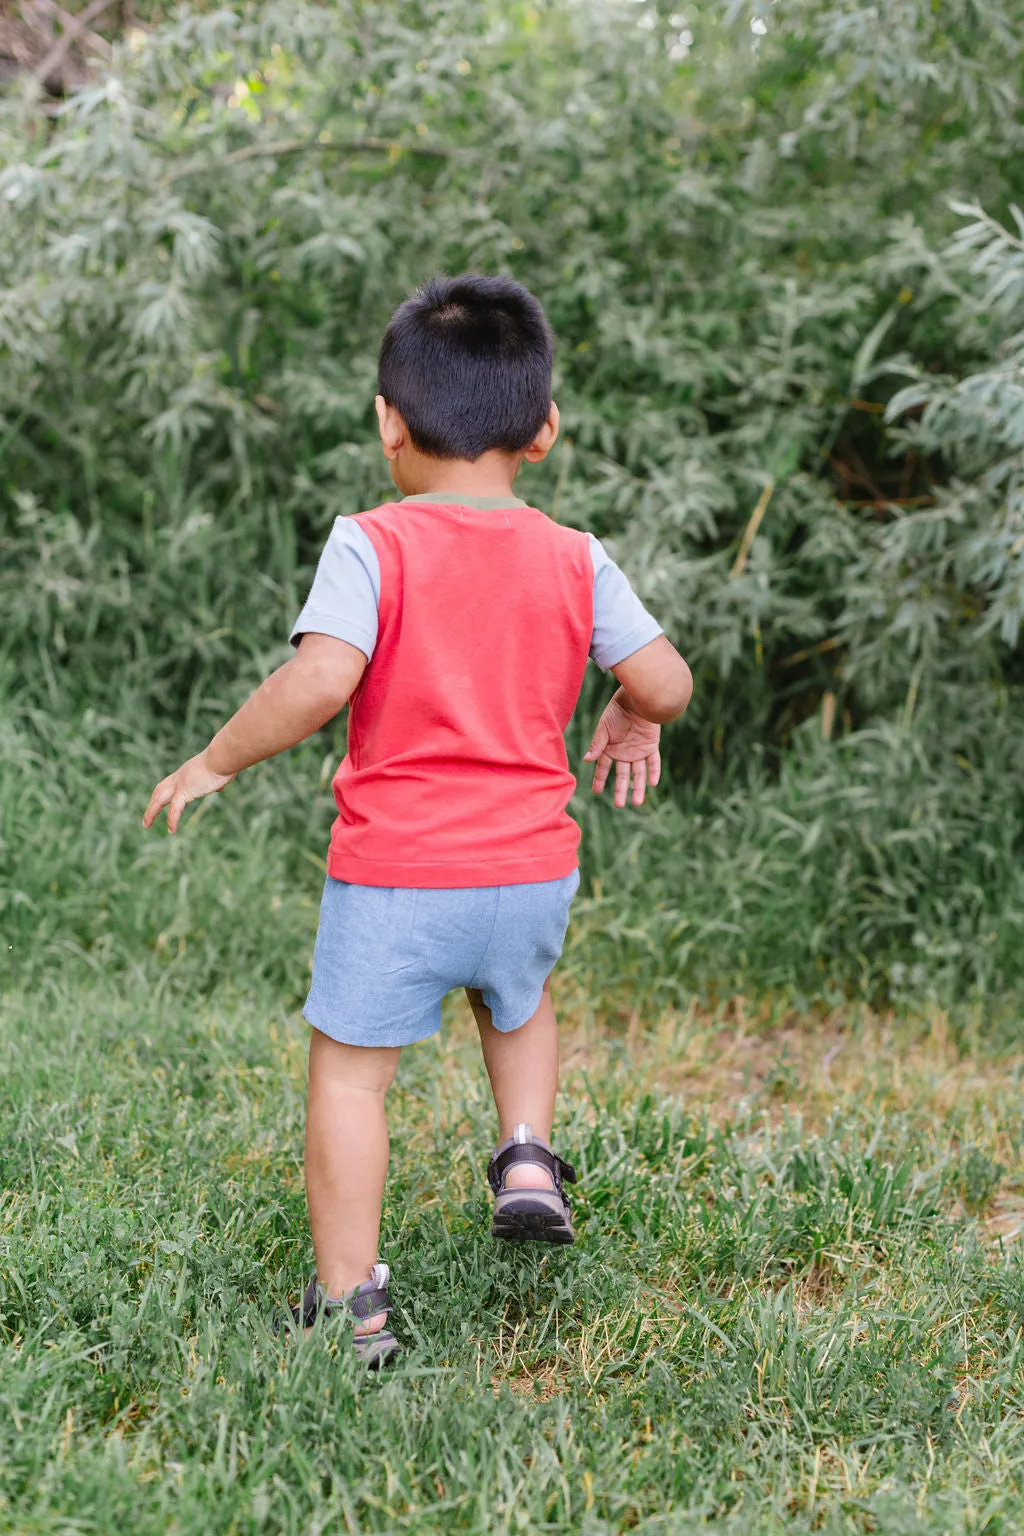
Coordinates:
467 363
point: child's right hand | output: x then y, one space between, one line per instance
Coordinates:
631 743
189 782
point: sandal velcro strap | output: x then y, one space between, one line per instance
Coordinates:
362 1305
528 1152
368 1303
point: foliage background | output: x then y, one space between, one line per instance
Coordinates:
781 249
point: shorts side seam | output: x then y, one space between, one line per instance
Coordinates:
490 936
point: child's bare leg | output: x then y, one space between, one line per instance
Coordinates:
523 1068
347 1159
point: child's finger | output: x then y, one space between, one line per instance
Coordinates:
639 781
621 783
598 744
604 764
654 768
157 800
178 804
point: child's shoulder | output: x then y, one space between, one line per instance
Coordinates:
398 521
384 510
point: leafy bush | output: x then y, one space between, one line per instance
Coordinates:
791 384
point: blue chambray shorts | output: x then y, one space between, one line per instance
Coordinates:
386 955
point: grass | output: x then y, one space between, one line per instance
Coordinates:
796 1302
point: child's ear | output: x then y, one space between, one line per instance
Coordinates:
393 431
545 439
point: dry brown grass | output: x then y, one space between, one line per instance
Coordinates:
725 1059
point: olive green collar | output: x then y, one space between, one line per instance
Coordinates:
457 499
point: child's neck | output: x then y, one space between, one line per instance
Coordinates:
490 475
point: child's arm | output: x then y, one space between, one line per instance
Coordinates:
655 687
295 701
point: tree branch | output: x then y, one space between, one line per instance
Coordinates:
279 147
74 27
92 38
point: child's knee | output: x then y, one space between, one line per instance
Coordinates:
367 1068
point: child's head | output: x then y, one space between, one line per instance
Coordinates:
465 370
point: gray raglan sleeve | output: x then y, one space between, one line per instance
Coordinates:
621 622
346 590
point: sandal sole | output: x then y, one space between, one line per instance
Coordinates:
373 1356
536 1226
376 1359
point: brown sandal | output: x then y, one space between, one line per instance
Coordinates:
541 1215
376 1349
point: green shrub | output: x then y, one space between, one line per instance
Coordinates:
791 393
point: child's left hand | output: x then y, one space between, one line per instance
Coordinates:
630 742
189 782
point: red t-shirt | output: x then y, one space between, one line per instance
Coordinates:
456 773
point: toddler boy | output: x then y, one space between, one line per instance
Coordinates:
456 623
